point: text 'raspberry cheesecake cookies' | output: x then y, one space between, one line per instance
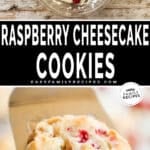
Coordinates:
75 133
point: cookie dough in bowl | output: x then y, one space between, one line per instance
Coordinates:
75 133
74 8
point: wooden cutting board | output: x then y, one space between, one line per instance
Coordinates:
29 105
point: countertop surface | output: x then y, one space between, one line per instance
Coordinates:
33 9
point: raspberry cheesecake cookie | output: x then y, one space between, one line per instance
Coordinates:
75 133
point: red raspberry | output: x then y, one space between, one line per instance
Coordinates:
96 146
101 132
93 145
76 1
69 129
84 136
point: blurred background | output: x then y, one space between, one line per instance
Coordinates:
132 122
